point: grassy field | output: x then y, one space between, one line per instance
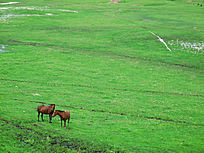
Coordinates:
101 61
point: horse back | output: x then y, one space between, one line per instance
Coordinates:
67 114
39 108
45 109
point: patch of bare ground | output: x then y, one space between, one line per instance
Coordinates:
190 0
146 19
29 43
115 1
26 43
69 143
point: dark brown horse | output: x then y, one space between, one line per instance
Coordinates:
64 115
46 110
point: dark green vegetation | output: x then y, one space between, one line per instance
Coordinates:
126 92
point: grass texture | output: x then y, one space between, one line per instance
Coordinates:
125 90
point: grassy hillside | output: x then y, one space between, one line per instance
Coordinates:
105 64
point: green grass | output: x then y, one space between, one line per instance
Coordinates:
126 92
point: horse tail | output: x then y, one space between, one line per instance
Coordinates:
68 114
39 107
68 117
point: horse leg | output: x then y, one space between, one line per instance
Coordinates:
42 117
50 118
38 116
68 122
65 123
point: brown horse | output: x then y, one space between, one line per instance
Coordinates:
46 110
64 115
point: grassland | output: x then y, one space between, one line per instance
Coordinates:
126 92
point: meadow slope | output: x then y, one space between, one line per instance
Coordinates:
105 64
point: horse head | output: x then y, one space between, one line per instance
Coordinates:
55 113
